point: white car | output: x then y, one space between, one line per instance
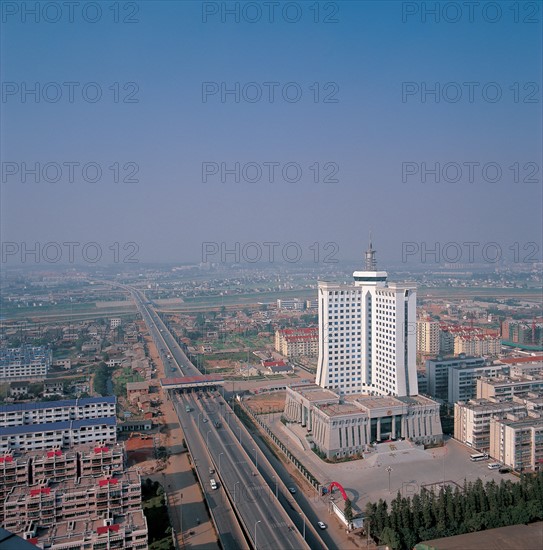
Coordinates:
321 524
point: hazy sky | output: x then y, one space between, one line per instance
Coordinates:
374 61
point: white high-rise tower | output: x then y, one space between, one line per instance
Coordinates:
367 334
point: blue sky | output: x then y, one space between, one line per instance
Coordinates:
368 133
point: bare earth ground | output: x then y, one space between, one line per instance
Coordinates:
185 500
271 402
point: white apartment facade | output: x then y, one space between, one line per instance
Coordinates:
25 363
57 411
367 336
428 337
58 435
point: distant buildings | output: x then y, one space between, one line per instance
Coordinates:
115 322
292 304
341 427
297 342
367 335
523 334
25 363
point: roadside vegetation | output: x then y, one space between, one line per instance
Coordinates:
156 512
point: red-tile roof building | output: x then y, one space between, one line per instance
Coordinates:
293 342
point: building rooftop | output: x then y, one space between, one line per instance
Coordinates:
340 409
135 386
36 405
84 529
55 426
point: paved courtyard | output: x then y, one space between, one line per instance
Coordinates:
411 467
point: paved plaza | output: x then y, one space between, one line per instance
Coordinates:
391 467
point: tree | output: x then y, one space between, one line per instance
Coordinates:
390 538
348 511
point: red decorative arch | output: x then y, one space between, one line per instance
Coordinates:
341 489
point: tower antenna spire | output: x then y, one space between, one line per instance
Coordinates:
371 264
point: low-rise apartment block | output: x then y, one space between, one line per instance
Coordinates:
127 532
57 411
25 363
507 387
296 342
59 435
50 502
29 468
517 442
454 378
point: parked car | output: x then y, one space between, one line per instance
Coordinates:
504 470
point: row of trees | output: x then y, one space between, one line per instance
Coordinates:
474 507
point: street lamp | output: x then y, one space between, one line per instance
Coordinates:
275 479
235 490
256 458
220 462
389 470
303 518
259 521
239 429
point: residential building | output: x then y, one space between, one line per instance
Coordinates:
428 337
523 334
292 304
506 387
18 389
472 420
367 336
128 531
452 379
294 342
517 442
115 322
51 502
29 363
345 426
463 380
57 411
60 435
51 388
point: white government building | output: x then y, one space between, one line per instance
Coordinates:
345 426
367 334
367 345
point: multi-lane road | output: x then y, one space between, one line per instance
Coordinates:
241 485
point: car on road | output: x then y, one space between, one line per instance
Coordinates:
292 490
211 470
217 424
204 420
321 524
213 483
